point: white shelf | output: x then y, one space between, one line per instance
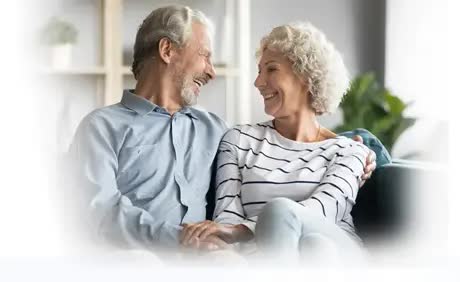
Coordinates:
110 75
220 71
74 71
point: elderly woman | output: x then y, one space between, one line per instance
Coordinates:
289 182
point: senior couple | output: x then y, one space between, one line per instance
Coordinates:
284 186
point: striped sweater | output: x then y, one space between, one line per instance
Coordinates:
256 164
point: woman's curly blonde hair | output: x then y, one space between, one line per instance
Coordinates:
314 58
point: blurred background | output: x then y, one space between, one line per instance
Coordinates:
392 49
64 58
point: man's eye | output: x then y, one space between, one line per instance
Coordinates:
271 69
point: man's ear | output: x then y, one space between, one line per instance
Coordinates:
166 49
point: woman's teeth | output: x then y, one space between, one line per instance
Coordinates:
269 96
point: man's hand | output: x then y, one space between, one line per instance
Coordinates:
211 243
202 230
370 162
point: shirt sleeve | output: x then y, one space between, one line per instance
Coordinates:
337 191
229 209
111 215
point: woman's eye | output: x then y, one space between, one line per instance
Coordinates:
271 69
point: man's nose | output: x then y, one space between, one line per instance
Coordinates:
211 71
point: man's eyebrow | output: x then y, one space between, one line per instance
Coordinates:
206 52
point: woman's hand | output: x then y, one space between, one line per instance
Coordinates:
202 230
370 162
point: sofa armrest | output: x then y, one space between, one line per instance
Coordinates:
385 204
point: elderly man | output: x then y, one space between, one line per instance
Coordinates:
145 164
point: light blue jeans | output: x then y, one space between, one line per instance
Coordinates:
287 233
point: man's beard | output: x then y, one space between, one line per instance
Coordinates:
187 94
186 85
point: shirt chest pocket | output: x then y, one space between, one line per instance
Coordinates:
198 172
138 158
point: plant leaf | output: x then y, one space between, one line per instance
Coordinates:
369 105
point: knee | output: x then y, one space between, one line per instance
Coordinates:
279 220
283 209
279 207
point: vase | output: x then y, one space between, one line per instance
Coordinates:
61 56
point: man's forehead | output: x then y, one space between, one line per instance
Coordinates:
201 30
202 35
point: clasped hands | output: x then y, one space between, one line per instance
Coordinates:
206 236
211 236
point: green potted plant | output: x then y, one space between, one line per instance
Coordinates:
369 105
60 36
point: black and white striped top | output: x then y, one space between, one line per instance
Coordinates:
256 164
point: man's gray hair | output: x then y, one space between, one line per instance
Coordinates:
173 22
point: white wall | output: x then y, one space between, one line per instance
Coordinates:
83 14
420 66
70 97
417 54
27 215
355 26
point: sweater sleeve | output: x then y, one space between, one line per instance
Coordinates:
337 191
229 209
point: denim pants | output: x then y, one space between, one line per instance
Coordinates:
287 232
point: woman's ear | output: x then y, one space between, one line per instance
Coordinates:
306 83
165 50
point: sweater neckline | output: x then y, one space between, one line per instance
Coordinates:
291 142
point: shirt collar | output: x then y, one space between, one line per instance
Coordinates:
143 106
188 111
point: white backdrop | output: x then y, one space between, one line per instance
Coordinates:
30 248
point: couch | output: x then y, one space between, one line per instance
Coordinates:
397 193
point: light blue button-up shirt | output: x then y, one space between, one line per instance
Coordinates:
144 171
